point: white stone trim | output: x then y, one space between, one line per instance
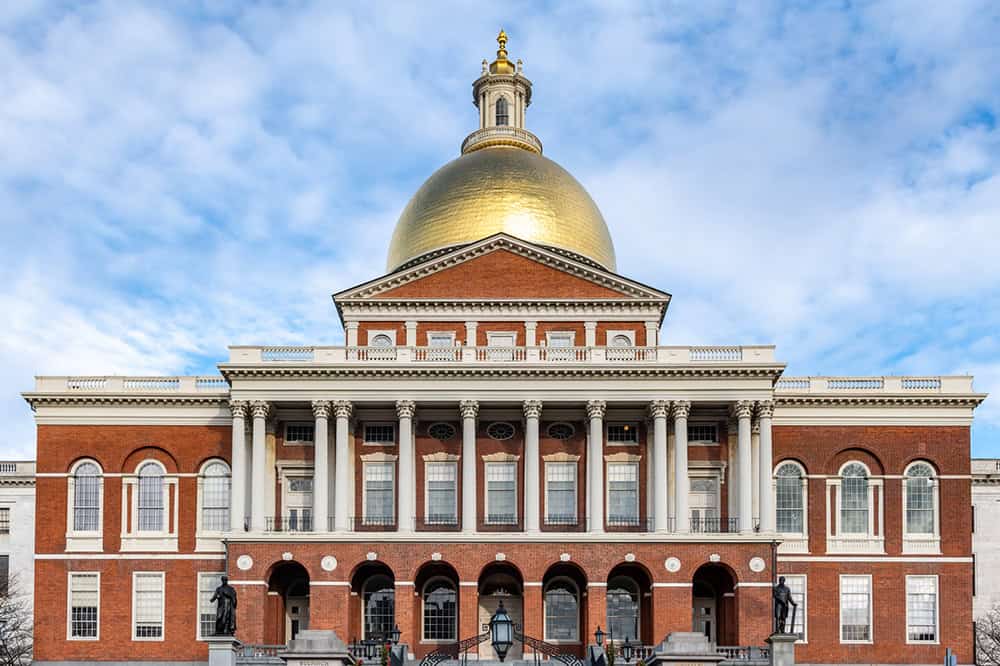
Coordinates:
500 457
163 606
69 606
937 609
442 456
561 457
622 457
379 456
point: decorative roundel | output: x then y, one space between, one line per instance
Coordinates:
441 431
630 557
329 563
436 557
500 430
561 430
757 564
244 562
371 556
714 557
564 557
286 556
672 564
501 557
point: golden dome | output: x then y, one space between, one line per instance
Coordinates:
501 189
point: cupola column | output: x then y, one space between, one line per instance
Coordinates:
595 464
469 410
532 413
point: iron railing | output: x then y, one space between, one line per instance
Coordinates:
629 524
374 523
289 524
438 523
703 525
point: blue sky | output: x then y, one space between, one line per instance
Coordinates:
178 177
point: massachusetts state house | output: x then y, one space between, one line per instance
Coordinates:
502 424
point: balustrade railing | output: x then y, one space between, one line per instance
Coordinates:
630 353
716 353
745 653
563 354
702 525
293 523
287 353
496 353
436 354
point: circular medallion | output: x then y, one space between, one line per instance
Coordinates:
286 556
561 430
501 557
672 564
757 564
329 563
630 557
564 557
244 562
441 431
714 557
371 556
436 557
500 430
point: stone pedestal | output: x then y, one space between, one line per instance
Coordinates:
222 650
316 647
686 648
782 649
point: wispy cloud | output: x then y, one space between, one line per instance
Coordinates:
819 177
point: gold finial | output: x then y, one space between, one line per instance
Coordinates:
502 41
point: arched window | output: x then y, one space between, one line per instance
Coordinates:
87 497
623 608
150 503
790 503
920 489
215 484
380 340
440 610
854 509
379 599
502 116
562 611
621 341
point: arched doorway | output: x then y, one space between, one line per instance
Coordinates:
375 587
629 604
436 607
713 604
288 586
501 582
564 607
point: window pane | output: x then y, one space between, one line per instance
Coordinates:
86 498
854 500
623 608
84 605
440 611
379 607
855 608
150 506
560 497
501 493
381 433
919 500
702 432
379 500
5 520
797 584
789 509
623 433
299 432
921 608
207 582
561 612
148 606
441 495
215 498
623 494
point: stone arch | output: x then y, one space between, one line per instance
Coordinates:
713 599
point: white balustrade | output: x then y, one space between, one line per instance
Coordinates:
563 354
716 354
287 353
854 383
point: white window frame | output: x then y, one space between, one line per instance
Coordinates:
456 588
563 335
300 442
164 540
607 489
704 442
840 610
367 424
579 603
917 543
450 335
163 606
285 474
84 541
803 611
486 491
427 494
793 542
873 542
576 496
210 540
937 609
607 429
197 602
391 464
491 337
69 605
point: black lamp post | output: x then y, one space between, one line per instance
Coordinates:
627 650
599 636
501 632
394 635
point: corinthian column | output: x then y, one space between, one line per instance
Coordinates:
321 466
342 467
260 410
469 410
407 513
682 483
595 464
658 413
238 458
742 410
765 410
532 412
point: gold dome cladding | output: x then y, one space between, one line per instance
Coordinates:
501 189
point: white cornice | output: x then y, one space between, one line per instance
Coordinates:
92 399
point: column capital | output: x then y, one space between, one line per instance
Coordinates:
260 409
321 409
658 409
681 409
596 409
238 408
742 409
405 409
532 408
469 409
343 409
765 409
590 325
349 325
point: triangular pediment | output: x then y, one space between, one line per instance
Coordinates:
502 267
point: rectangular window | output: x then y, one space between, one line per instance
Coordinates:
5 520
501 493
298 505
703 433
442 508
440 339
147 606
84 605
560 493
623 494
379 493
623 433
207 582
797 584
559 339
855 609
4 574
299 433
380 434
921 609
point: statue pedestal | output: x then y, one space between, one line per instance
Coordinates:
316 647
222 650
686 648
782 649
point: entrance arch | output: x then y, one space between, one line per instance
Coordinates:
498 582
713 603
375 587
288 601
564 607
629 604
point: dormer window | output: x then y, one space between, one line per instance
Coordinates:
502 116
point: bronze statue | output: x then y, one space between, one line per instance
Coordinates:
782 597
225 610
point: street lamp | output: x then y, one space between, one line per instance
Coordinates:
394 635
501 631
599 636
627 650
